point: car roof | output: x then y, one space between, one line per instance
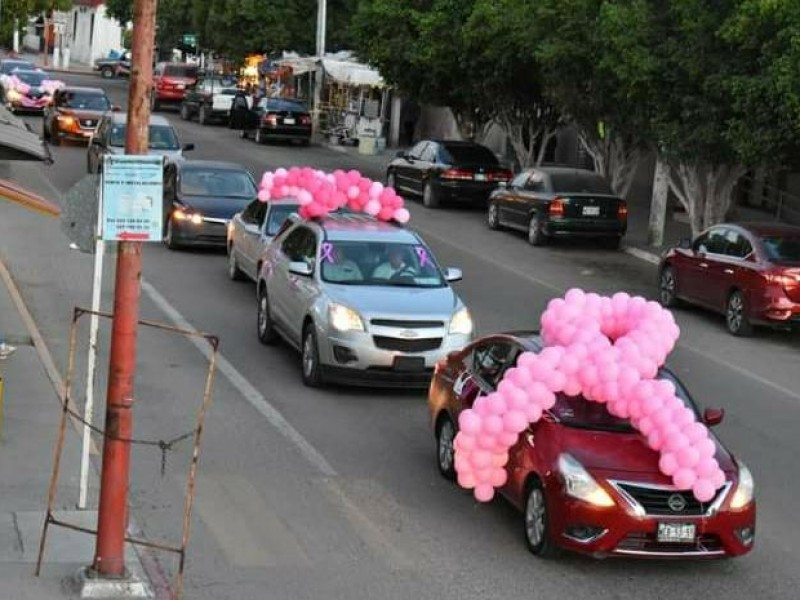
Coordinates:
765 228
84 90
121 117
209 164
564 171
360 227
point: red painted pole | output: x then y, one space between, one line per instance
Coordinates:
112 521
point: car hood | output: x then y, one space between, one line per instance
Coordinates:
620 452
216 207
80 114
397 302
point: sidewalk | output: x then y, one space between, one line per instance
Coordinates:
75 67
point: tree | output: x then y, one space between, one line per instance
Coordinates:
121 10
21 10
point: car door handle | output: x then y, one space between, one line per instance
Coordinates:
729 271
703 265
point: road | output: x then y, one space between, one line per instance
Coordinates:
334 493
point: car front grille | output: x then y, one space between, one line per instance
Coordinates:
88 123
644 543
406 324
665 502
402 345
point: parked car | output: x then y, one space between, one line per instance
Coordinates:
35 100
200 199
114 67
446 171
170 81
75 114
550 202
209 100
109 138
278 119
586 480
10 65
750 272
364 302
250 232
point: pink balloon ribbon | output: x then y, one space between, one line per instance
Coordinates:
607 350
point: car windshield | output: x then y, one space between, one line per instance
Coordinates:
187 71
216 183
782 248
162 137
379 264
283 104
31 77
277 215
472 154
85 101
583 414
10 65
579 183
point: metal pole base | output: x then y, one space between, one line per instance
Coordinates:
87 583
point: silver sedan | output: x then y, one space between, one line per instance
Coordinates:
365 302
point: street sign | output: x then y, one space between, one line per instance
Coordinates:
133 188
190 39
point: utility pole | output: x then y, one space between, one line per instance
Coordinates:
112 521
322 20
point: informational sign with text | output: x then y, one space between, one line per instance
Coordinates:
133 188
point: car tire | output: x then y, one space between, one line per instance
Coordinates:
169 237
154 104
234 272
736 315
667 287
536 237
429 197
391 180
107 72
265 327
309 364
202 116
493 216
259 137
445 450
536 521
186 114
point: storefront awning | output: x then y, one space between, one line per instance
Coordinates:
347 72
17 142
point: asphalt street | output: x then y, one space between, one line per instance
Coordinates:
334 493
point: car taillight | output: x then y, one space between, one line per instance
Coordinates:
457 174
500 176
780 277
556 208
271 119
622 210
305 120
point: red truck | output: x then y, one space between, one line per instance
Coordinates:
170 81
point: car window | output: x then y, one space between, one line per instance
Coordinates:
782 249
535 183
371 263
489 361
520 180
717 241
278 213
418 150
429 154
162 137
34 78
300 246
249 213
83 100
188 71
580 183
207 181
285 104
467 153
737 245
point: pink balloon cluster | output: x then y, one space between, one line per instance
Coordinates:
608 350
12 82
321 193
50 86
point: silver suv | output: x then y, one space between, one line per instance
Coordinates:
364 301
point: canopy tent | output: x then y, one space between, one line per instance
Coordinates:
340 67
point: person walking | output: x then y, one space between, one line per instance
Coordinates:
239 110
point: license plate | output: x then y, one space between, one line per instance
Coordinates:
289 121
480 177
591 211
676 533
409 363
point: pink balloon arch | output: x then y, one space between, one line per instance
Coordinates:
320 193
609 350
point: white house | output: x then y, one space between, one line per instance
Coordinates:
91 33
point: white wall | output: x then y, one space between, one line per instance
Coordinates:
107 34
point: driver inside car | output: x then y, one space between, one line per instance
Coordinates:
394 266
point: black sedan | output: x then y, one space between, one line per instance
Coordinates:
550 202
446 171
278 119
200 198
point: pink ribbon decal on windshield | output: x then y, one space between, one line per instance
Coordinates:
422 254
327 252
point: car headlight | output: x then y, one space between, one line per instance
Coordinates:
13 95
745 489
580 485
461 322
344 318
181 215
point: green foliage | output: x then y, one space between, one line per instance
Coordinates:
121 10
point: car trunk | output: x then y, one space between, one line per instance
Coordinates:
478 172
590 206
291 118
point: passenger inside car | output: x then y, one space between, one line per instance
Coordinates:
337 267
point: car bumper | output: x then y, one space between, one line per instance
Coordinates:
464 191
287 133
774 308
585 227
166 96
356 357
208 233
76 136
617 531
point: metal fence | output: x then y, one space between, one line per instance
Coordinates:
764 196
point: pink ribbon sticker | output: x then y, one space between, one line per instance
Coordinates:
422 255
327 252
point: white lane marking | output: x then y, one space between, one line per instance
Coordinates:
642 255
244 387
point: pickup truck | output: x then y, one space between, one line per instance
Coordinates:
209 99
114 67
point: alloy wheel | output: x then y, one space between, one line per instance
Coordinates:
429 198
535 513
446 449
312 376
493 216
736 315
391 181
234 272
535 235
667 287
202 117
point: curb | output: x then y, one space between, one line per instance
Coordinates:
644 255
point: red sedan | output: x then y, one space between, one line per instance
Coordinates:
749 272
586 480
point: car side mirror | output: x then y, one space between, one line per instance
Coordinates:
187 147
452 275
252 228
713 416
685 244
300 268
